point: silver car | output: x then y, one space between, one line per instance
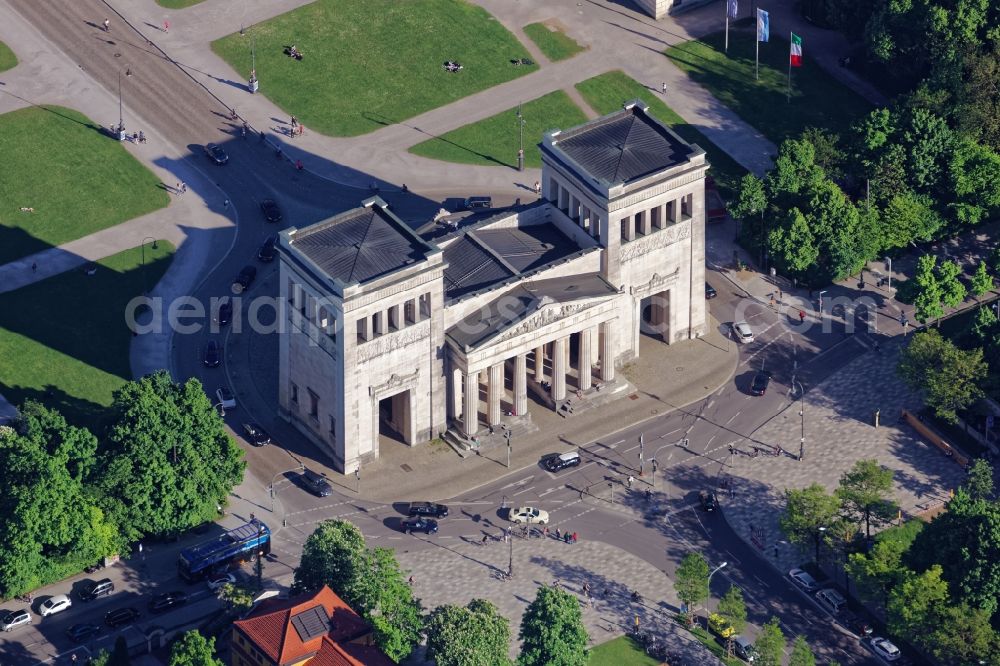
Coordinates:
742 332
54 605
529 515
15 619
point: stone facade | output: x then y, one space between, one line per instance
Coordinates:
552 296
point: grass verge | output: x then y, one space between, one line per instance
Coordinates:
618 651
494 141
370 63
177 4
76 179
554 43
7 58
64 341
817 99
607 92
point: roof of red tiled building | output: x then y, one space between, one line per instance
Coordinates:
289 630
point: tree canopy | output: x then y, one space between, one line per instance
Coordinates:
949 378
193 649
770 644
552 632
808 512
864 491
473 635
691 580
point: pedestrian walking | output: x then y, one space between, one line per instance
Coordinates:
225 204
299 165
177 188
142 137
802 316
107 25
410 582
295 122
252 517
574 537
538 187
558 534
34 267
663 87
545 531
184 187
566 537
779 296
772 300
485 538
630 480
166 25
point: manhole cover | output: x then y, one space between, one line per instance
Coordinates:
118 55
634 396
406 468
679 368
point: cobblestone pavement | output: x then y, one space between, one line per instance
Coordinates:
472 573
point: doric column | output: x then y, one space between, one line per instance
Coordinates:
607 352
521 385
494 391
539 364
645 222
559 369
456 393
470 413
584 358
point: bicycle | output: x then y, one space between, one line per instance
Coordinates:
503 575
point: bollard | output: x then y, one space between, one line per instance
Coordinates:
875 417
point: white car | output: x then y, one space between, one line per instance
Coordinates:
803 580
742 332
885 649
53 605
529 515
15 619
215 583
226 398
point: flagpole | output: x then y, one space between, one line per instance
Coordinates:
756 65
726 50
791 36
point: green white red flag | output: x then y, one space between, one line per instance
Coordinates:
795 57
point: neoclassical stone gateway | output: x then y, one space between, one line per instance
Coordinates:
411 333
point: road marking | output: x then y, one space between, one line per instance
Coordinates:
526 479
620 441
550 490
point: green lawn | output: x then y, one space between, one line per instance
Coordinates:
606 93
817 99
369 63
67 334
177 4
621 651
554 43
494 141
76 179
7 58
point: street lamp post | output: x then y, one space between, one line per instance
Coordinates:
510 559
253 85
270 487
641 449
802 419
721 566
357 479
507 437
120 130
888 268
652 461
520 130
821 303
819 534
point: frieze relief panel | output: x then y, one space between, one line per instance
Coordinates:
655 241
656 284
395 381
543 318
393 341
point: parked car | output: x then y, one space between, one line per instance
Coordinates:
744 649
53 605
15 619
121 617
555 462
80 633
428 509
529 515
216 154
858 625
256 435
478 202
419 524
832 600
316 483
804 580
161 603
760 381
244 279
226 397
215 583
710 292
742 332
93 589
267 253
225 313
884 648
271 211
211 356
709 502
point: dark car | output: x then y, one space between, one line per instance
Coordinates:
216 154
710 291
94 589
315 483
555 462
858 625
428 509
760 381
121 617
161 603
244 279
267 253
420 524
708 500
79 633
256 435
225 313
271 211
478 202
212 356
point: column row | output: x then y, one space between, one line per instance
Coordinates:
659 217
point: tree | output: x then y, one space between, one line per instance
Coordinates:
927 302
751 199
953 292
802 654
808 512
691 581
828 154
981 282
964 636
984 323
476 635
733 610
864 491
770 644
552 632
909 217
193 649
332 556
916 603
382 596
792 243
948 377
979 483
237 597
928 141
880 569
119 655
168 461
975 181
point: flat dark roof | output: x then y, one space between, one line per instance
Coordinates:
360 245
470 268
622 146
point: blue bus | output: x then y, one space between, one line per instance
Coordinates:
233 547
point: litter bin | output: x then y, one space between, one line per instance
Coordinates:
875 417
